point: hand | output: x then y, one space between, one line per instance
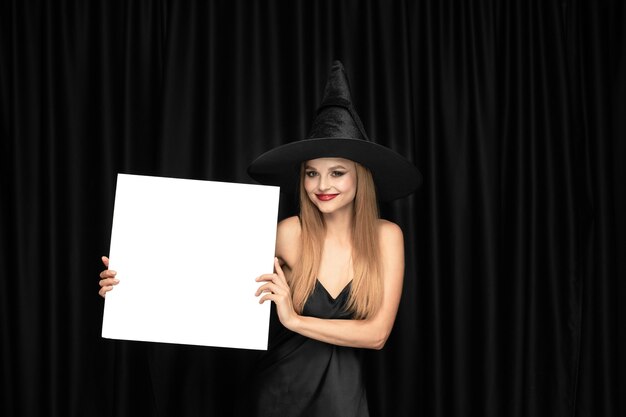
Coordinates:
277 290
107 278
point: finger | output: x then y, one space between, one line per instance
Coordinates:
280 283
108 282
279 271
267 297
277 267
108 273
267 277
270 287
105 261
103 291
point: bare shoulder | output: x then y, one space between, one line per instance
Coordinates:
288 240
389 232
391 241
289 228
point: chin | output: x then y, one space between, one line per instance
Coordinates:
331 208
325 210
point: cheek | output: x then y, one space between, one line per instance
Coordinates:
347 185
309 185
309 191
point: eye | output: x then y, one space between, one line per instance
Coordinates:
310 174
337 173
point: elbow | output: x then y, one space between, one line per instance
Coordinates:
378 345
379 341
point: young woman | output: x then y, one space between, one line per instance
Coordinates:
338 268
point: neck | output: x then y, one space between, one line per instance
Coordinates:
339 225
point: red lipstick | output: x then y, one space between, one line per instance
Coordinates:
326 197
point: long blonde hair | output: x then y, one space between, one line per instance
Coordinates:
367 284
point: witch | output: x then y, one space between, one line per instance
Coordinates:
338 269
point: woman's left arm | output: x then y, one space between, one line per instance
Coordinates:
371 333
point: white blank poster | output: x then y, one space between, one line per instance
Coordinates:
186 253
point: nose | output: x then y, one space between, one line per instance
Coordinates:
324 183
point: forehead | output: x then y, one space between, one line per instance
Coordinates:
320 163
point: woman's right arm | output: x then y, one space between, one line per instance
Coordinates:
288 242
107 278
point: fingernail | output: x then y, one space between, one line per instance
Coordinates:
116 281
113 273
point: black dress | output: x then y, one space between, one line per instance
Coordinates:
302 377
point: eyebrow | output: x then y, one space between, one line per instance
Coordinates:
330 169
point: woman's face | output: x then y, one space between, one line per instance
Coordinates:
330 183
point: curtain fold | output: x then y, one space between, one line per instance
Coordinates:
513 111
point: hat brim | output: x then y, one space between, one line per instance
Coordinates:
394 176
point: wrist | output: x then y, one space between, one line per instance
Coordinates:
293 323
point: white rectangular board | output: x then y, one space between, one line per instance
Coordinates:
187 253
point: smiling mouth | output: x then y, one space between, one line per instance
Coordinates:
326 197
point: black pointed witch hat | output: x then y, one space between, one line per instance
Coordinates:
337 132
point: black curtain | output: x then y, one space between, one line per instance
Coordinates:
515 112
